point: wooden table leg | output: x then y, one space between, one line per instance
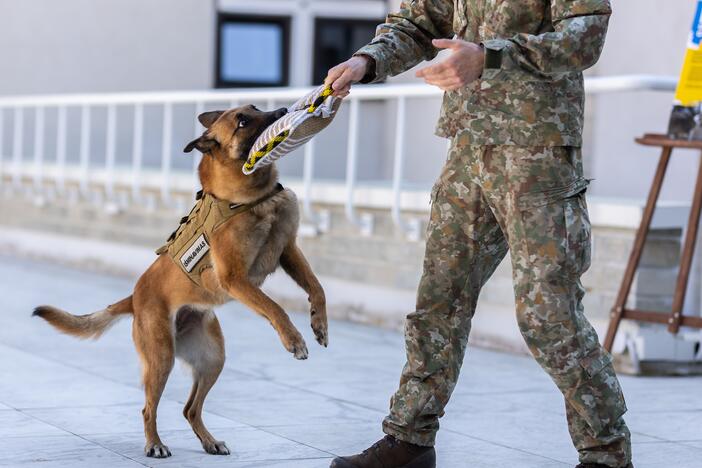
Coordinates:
687 255
639 242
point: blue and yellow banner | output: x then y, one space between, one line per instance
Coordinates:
689 91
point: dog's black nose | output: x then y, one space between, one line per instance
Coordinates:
281 112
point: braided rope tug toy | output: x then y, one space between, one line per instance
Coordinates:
305 118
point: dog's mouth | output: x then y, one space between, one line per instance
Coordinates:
271 118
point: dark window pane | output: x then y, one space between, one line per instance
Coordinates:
336 40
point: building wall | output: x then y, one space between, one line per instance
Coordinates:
82 46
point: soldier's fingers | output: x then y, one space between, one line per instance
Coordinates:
344 81
443 83
432 70
443 74
443 79
334 74
342 93
446 43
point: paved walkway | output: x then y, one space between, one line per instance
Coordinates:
67 403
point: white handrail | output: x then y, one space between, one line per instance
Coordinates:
614 84
595 84
199 99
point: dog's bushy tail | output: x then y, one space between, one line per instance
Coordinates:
85 326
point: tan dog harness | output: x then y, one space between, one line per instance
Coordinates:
189 245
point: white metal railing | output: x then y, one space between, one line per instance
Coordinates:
50 180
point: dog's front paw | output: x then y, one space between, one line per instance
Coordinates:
157 451
300 350
216 447
295 344
318 316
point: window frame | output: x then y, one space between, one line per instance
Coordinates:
278 20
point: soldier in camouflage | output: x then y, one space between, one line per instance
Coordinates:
513 109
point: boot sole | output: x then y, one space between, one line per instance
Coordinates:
428 460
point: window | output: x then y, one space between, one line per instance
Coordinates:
252 51
336 40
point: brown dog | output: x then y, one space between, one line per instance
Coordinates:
173 315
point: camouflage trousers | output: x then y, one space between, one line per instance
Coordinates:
530 201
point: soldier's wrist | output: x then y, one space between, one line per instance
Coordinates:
370 74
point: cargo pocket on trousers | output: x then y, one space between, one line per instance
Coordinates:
434 193
597 396
556 229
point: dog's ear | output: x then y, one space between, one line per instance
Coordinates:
204 144
208 118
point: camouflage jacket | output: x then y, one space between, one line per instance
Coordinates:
531 90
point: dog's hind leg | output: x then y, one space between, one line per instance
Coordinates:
200 344
153 337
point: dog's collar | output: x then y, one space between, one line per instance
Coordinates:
224 207
247 206
235 206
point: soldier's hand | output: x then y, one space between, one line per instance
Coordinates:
463 66
342 76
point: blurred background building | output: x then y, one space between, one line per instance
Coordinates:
97 98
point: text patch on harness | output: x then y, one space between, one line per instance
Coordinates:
194 253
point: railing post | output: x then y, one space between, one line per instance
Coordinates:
137 150
110 143
17 146
61 149
197 157
320 219
85 125
166 147
411 229
38 148
365 222
2 141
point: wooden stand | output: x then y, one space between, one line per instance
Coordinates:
675 319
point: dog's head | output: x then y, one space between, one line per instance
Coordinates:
231 134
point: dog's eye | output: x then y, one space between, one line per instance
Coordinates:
243 122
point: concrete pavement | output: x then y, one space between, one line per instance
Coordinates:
67 403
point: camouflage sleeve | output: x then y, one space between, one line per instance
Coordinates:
580 27
405 38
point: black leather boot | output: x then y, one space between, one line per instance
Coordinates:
389 452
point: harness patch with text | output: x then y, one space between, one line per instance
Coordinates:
195 253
